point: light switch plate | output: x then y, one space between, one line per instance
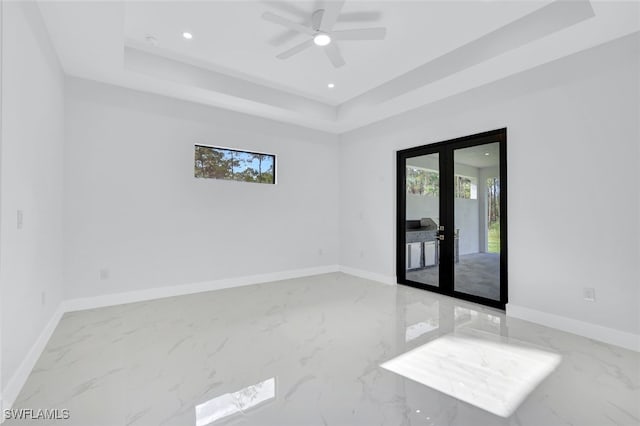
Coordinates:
20 219
589 294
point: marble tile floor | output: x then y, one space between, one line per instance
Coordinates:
309 351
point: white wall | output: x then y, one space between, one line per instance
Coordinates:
573 161
132 205
31 180
466 214
466 221
421 206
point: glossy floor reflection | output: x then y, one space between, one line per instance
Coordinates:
309 352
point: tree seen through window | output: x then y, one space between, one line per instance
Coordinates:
229 164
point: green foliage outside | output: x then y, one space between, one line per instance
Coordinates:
218 163
422 182
493 214
427 182
494 238
462 187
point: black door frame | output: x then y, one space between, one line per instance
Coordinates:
445 150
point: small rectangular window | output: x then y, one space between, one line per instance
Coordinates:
230 164
466 187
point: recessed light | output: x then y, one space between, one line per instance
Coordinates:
486 153
331 85
187 35
321 39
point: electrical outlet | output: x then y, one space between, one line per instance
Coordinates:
589 294
104 274
43 298
20 219
320 252
361 253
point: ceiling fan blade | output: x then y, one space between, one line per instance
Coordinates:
283 38
295 49
360 34
331 12
316 19
276 19
333 52
288 8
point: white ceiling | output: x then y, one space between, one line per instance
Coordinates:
480 156
233 35
433 49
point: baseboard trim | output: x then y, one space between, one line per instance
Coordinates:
19 378
373 276
592 331
84 303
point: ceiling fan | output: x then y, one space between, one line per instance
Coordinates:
321 32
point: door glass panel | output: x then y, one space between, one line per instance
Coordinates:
422 219
476 189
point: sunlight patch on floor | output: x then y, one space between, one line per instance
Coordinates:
493 374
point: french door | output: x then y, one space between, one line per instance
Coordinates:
452 218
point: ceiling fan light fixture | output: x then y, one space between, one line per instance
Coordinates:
319 31
321 39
